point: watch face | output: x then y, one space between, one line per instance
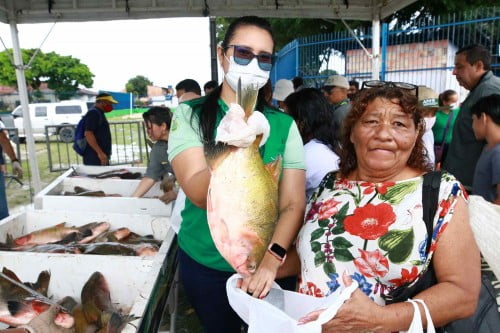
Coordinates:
278 250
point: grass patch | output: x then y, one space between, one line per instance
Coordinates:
125 113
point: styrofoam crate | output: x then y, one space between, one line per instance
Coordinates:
130 278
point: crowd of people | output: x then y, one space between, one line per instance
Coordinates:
360 154
350 191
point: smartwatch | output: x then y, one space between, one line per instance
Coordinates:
277 251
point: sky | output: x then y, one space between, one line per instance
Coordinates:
165 51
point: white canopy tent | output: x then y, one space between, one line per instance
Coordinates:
15 12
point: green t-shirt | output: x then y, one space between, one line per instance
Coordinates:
194 235
439 126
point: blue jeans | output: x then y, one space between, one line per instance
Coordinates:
4 210
205 288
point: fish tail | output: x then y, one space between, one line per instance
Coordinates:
249 99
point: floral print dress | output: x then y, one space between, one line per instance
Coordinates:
373 231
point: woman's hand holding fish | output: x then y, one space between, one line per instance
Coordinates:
261 282
235 130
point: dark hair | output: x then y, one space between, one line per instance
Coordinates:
313 116
354 83
210 108
474 53
189 85
297 82
445 96
158 115
212 84
407 101
489 105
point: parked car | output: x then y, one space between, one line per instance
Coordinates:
51 114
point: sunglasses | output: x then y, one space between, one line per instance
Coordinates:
243 55
380 84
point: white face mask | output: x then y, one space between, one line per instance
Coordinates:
249 74
429 122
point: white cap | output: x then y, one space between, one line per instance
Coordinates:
337 81
282 89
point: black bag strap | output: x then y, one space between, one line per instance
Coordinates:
430 198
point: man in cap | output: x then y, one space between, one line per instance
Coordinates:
473 72
428 101
335 90
282 89
97 132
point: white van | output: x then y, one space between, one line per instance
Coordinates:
42 114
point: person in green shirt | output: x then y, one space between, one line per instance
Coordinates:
445 120
246 53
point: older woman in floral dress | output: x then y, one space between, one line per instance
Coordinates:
365 223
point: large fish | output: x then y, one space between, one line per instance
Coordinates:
46 235
242 199
97 308
62 235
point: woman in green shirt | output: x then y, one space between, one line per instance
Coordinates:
445 120
246 52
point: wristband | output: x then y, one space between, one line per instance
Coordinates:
277 251
15 160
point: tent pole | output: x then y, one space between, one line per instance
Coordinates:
23 95
213 48
376 46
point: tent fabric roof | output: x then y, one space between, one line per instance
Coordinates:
40 11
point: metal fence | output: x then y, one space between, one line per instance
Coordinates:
128 145
421 52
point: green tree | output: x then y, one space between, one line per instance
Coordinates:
287 29
63 74
426 8
138 85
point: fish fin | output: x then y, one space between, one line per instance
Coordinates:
68 303
11 274
79 189
69 238
9 240
86 233
42 284
257 141
216 153
274 168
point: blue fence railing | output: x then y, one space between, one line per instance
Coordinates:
421 53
